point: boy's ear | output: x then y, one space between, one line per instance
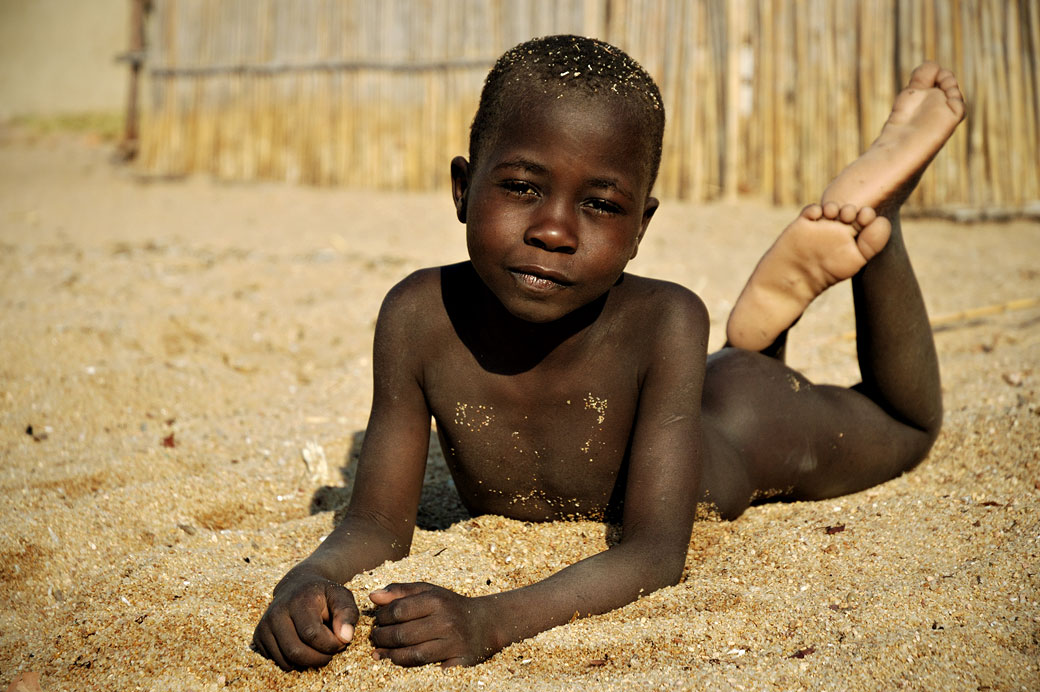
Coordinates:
460 185
648 213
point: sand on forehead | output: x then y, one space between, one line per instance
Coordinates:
170 348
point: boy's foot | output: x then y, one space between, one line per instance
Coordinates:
824 245
924 116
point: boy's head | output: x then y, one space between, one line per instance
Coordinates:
568 66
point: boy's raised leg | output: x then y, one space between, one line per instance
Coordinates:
834 440
894 344
894 341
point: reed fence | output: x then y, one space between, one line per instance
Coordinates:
766 98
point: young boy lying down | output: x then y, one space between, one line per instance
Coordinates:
562 387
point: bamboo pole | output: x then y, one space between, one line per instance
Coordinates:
981 86
847 50
690 97
1031 14
1009 182
695 116
714 115
765 103
668 176
735 11
750 132
804 110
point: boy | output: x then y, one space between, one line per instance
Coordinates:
562 387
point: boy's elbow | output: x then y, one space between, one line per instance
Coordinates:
672 572
658 555
664 569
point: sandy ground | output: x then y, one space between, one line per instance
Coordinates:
168 349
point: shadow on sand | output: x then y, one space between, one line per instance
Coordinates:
439 504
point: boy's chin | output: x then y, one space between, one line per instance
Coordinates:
536 313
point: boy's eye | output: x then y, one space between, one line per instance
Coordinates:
602 206
519 188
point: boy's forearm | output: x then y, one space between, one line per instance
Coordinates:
355 545
597 584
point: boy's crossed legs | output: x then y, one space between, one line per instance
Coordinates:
769 431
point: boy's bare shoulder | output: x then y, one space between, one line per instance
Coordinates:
420 294
413 310
656 304
419 287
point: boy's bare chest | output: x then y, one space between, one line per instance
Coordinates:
538 445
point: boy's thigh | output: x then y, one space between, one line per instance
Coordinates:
796 439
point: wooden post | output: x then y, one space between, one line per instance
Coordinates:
735 18
134 56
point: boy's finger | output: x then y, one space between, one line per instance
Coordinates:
406 608
344 611
418 655
391 592
289 651
265 643
401 635
314 635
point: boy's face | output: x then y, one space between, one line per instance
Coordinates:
556 205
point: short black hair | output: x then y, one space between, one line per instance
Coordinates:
577 63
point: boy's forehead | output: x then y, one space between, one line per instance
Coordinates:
556 113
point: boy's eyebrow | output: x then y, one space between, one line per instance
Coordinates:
521 163
532 167
609 184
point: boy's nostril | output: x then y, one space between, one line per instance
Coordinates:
551 239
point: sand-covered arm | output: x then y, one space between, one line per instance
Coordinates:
421 623
312 616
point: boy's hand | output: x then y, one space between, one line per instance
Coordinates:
309 620
420 623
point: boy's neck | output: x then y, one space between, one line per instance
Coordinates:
501 342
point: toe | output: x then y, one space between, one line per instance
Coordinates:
813 212
924 76
874 237
865 216
830 210
945 80
847 214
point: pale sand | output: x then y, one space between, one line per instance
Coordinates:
238 319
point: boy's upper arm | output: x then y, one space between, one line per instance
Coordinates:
393 453
666 453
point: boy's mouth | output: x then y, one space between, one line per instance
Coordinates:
539 278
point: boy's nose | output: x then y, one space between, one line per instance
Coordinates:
554 231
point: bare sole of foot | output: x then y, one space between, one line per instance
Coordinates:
923 117
824 245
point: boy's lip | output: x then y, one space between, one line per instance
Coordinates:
540 277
